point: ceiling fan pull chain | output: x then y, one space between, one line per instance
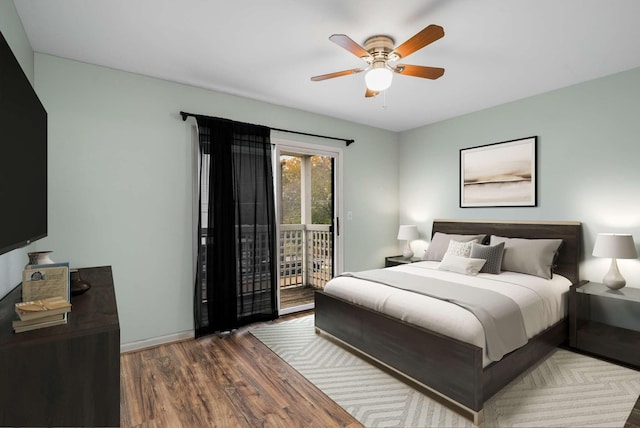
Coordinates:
384 100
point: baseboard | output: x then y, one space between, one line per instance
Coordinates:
156 341
295 309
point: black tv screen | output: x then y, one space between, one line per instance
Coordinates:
23 156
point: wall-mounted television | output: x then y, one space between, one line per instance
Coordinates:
23 156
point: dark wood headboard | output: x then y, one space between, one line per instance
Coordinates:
569 231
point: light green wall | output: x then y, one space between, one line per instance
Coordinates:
120 183
14 34
588 152
120 174
11 263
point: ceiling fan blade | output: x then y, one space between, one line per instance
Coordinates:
336 74
370 93
428 35
345 42
419 71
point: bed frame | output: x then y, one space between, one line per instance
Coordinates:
450 368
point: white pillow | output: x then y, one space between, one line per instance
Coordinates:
461 249
464 265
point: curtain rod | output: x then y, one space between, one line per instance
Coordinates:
346 140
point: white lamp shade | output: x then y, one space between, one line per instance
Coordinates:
615 246
408 232
378 79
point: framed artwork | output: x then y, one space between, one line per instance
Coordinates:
499 175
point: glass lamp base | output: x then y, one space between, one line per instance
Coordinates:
407 253
613 279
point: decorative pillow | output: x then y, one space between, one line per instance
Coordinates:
464 265
530 256
440 243
491 253
460 249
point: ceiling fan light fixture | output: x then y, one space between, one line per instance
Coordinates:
379 77
380 55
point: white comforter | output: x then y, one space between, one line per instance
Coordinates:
542 301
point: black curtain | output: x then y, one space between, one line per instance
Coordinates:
236 272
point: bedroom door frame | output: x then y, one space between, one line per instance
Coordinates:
284 146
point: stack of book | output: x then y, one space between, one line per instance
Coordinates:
41 313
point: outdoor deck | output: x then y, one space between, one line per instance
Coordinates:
296 296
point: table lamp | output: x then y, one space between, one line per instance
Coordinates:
408 232
615 246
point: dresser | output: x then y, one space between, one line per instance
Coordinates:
66 375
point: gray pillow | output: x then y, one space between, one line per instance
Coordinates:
491 253
530 256
440 243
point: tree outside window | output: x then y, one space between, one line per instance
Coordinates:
321 189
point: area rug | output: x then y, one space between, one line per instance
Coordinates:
565 389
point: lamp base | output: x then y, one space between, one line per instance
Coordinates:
407 253
613 279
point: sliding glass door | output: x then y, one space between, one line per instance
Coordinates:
307 190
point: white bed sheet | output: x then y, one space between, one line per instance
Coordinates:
543 302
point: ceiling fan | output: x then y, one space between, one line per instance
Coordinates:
378 52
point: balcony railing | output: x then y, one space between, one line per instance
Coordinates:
306 256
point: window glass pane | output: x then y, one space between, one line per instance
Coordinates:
290 197
321 191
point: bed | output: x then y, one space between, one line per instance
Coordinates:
449 367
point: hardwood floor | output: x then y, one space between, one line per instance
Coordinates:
234 381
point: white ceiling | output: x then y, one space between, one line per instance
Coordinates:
494 51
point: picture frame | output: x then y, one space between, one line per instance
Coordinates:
46 280
501 174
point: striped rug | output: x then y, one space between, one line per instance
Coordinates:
566 389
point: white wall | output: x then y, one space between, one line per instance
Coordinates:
588 151
120 183
12 263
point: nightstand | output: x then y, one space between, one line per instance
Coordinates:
399 260
601 337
